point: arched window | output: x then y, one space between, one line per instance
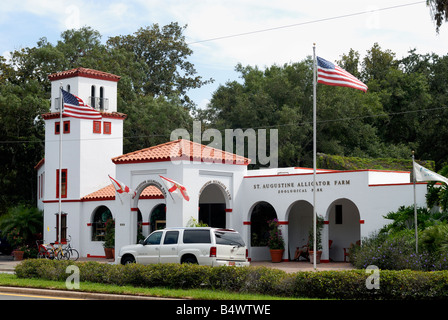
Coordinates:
99 218
92 97
68 88
101 98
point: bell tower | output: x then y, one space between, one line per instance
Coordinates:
87 145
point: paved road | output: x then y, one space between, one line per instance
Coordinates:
17 296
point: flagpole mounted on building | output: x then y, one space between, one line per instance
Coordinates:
61 105
314 157
415 203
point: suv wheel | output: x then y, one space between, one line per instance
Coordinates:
127 260
189 259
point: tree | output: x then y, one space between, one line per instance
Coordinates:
27 221
376 64
163 55
439 11
21 136
350 63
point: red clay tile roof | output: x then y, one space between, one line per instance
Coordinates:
114 115
84 72
108 193
181 150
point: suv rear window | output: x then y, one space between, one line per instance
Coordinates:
229 238
197 236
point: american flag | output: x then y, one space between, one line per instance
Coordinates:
75 107
330 74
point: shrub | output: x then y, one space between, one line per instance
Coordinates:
349 284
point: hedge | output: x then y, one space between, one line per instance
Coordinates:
348 284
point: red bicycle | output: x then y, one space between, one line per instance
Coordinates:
49 251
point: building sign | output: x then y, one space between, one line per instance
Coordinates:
300 187
219 183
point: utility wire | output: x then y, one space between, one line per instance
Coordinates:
390 114
305 23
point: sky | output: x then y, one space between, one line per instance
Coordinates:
223 33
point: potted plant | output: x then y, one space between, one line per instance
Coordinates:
319 227
275 241
18 243
109 239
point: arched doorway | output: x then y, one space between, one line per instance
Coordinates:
157 218
212 206
344 227
300 220
146 191
262 212
98 222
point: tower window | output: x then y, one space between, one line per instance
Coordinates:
63 183
96 126
63 228
92 97
107 128
66 126
57 127
101 98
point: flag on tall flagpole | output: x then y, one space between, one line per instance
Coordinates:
330 74
121 188
75 107
176 188
423 174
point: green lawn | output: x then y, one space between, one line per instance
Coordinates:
199 294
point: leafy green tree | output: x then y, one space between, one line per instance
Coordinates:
21 136
27 221
439 10
163 56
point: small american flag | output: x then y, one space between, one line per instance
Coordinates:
332 75
75 107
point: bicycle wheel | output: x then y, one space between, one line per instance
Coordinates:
50 254
74 254
63 254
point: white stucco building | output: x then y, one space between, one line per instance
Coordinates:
223 192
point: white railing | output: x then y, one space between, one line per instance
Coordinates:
100 104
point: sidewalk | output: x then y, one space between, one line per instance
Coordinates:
287 266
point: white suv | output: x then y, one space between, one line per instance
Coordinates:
204 246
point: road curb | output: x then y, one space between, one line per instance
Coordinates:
77 294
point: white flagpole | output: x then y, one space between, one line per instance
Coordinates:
61 130
415 204
314 156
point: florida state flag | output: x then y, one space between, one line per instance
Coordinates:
176 188
121 188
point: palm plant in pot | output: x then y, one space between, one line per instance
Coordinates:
275 241
319 227
109 239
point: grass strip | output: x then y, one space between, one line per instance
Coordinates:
11 280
